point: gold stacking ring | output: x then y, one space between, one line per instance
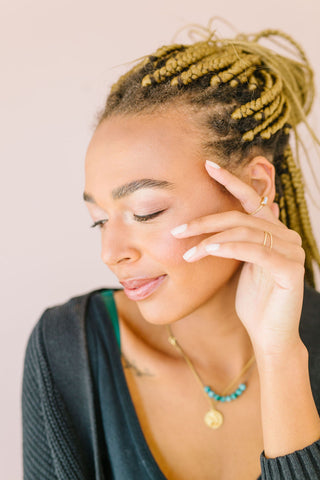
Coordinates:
263 202
265 240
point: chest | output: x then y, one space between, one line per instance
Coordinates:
171 413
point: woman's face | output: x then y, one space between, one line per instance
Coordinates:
161 154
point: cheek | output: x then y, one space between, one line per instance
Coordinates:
167 249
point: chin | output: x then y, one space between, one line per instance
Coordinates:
166 309
172 302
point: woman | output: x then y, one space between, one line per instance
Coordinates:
192 182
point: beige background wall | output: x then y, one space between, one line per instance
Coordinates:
58 59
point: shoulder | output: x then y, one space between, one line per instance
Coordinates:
59 328
56 357
311 301
310 335
310 319
55 374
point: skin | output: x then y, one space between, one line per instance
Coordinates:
242 298
153 250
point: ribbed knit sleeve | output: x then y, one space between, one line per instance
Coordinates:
37 460
49 446
300 465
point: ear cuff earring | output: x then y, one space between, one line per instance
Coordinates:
263 202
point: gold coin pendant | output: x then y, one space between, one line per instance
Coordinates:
213 419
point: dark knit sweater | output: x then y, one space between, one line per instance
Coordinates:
66 433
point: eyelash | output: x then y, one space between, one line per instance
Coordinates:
139 218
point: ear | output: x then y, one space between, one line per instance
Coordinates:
260 174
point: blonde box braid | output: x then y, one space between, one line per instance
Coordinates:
270 93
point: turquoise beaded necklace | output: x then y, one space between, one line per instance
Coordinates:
225 398
213 418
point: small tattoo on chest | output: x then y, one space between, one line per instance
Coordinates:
130 364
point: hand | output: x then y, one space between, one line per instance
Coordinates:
270 289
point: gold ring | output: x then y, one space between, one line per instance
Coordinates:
266 235
271 240
263 202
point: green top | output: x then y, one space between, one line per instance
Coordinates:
107 296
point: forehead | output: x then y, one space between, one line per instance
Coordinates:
143 140
161 146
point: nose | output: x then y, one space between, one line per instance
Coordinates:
118 245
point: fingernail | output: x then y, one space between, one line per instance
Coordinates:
190 253
213 247
179 229
212 164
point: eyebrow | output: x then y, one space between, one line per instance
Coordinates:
129 188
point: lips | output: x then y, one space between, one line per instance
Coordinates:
140 288
136 282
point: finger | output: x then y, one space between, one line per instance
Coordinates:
284 271
247 195
218 222
249 235
275 209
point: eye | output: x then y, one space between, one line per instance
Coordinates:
99 223
138 218
145 218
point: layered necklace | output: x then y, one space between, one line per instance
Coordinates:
214 418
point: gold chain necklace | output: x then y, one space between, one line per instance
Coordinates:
213 418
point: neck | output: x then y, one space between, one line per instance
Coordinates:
213 336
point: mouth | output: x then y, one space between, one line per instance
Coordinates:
141 288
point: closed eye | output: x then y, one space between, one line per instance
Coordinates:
98 223
138 218
145 218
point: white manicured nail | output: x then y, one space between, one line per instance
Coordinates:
212 164
213 247
179 229
190 253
